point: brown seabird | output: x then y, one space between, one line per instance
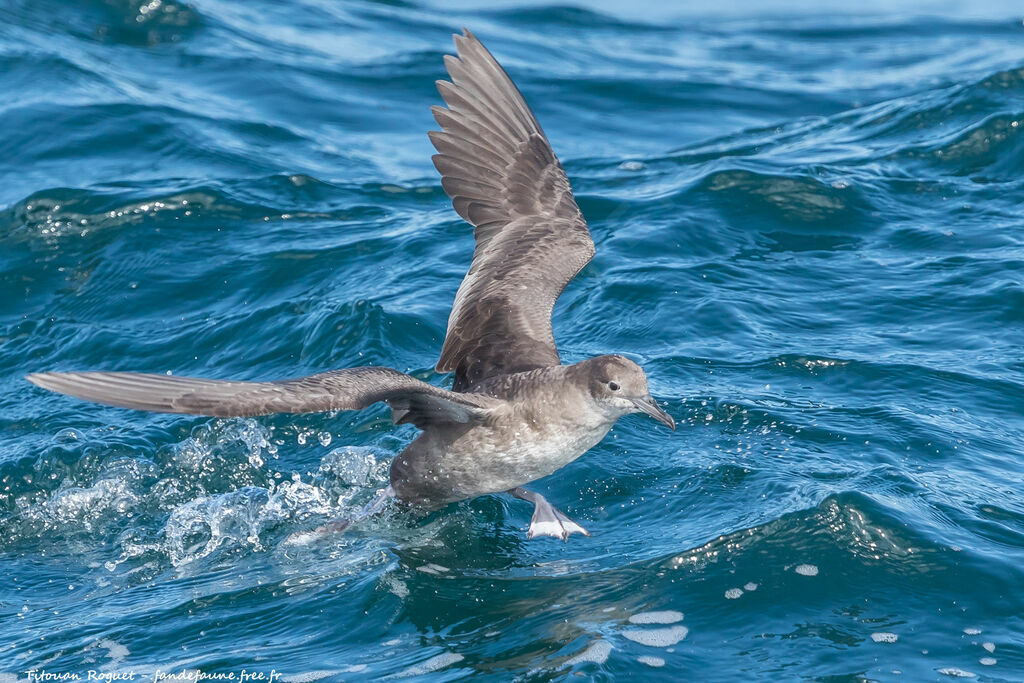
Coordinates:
515 413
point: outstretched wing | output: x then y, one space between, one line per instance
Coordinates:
352 389
531 239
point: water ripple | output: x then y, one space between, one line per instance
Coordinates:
808 231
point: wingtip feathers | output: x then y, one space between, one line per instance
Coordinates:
41 379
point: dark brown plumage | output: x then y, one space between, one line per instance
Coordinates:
497 166
410 399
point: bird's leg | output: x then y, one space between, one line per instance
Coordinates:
337 526
547 520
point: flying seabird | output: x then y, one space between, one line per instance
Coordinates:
514 413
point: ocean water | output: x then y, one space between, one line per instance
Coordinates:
809 231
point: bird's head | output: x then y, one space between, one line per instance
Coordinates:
619 386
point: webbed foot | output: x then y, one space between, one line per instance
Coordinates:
547 520
554 524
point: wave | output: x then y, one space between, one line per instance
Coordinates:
965 127
808 233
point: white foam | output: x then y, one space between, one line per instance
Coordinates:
733 593
989 647
353 466
431 568
957 673
750 586
435 663
806 570
76 505
398 587
596 653
115 651
300 538
663 617
200 526
884 637
657 637
972 631
656 662
987 661
205 449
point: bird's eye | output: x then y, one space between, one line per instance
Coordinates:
613 386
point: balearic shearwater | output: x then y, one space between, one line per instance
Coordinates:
514 413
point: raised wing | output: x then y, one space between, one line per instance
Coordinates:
531 239
352 389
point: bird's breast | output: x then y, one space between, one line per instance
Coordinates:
492 458
526 452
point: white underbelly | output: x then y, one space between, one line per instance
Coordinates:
520 460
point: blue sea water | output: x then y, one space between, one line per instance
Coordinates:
809 231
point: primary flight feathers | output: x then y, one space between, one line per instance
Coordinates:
350 389
531 239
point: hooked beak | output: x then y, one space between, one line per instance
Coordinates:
650 406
